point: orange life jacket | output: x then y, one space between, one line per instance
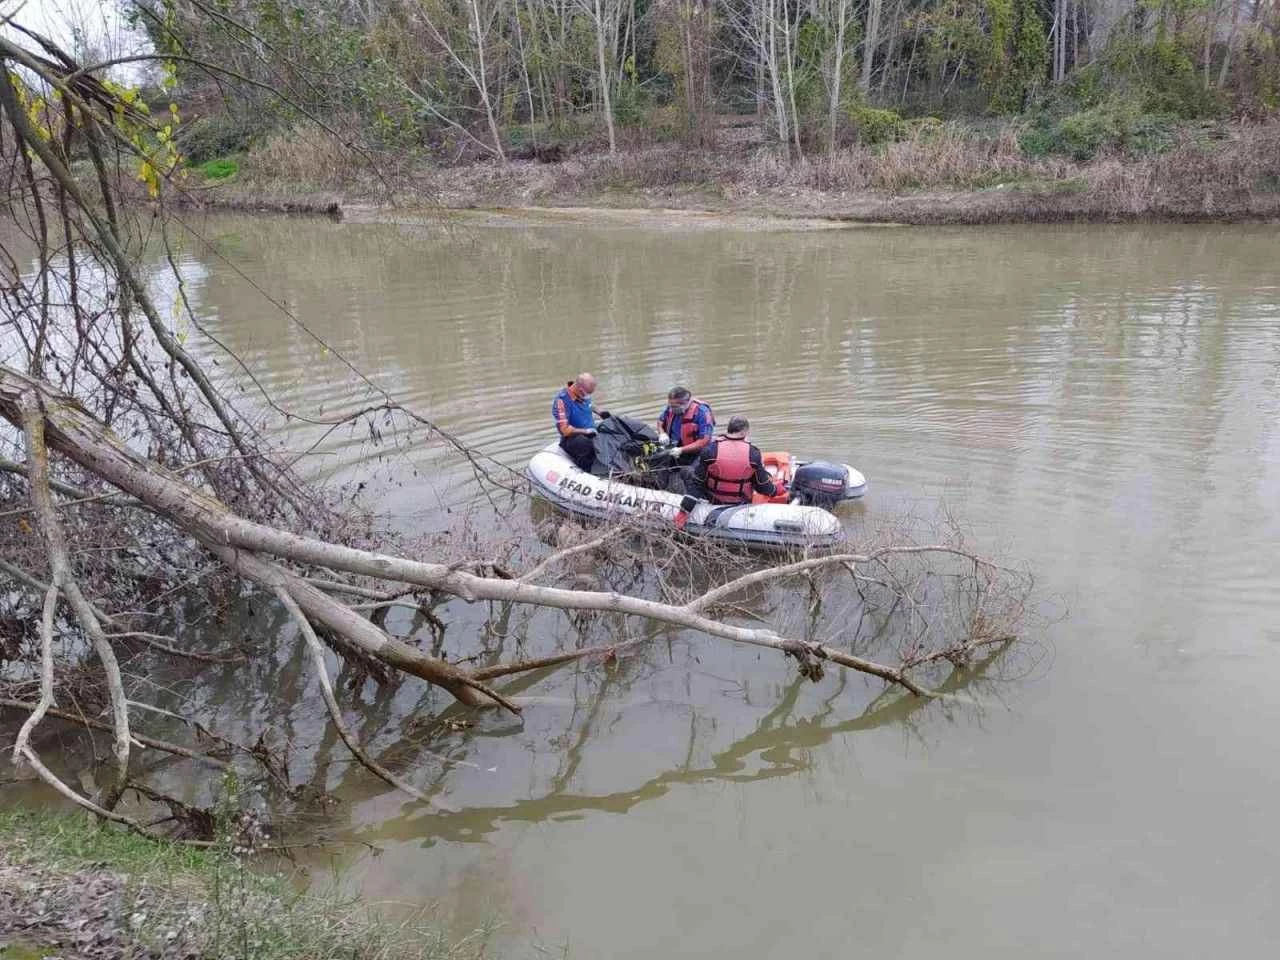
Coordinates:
729 474
689 423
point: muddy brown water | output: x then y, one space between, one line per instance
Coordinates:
1099 402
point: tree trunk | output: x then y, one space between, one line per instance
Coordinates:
891 46
791 78
837 71
482 82
869 44
1231 42
769 25
604 78
1059 33
524 71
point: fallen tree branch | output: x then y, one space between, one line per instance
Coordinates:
33 420
556 659
367 636
849 560
156 641
239 541
67 489
316 649
52 779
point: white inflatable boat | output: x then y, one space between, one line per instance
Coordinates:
775 521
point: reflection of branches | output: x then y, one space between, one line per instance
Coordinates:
775 736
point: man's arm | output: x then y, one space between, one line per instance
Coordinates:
705 432
562 419
760 479
705 458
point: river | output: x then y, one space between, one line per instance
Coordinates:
1100 403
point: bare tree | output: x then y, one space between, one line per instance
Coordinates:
1225 69
836 15
758 24
692 24
466 37
606 21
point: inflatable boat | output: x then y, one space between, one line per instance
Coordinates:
801 516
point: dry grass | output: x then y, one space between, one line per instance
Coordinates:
947 155
306 155
938 173
1237 174
1194 179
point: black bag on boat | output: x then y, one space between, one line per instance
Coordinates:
622 445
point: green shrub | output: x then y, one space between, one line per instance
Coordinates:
1111 125
220 169
1157 77
219 135
1162 76
630 103
875 126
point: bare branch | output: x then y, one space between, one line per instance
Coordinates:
316 651
157 642
32 419
147 741
46 674
606 651
561 555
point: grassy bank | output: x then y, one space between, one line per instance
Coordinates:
69 887
931 174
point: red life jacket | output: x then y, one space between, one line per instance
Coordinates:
688 425
729 474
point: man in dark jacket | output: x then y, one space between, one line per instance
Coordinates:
730 468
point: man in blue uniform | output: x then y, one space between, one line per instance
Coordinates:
574 420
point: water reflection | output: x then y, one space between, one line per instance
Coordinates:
780 745
1104 403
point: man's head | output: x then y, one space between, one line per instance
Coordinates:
678 399
585 384
738 428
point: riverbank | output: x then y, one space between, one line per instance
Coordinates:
1226 173
72 888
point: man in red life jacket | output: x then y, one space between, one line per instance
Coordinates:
689 423
729 468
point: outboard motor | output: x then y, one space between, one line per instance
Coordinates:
820 484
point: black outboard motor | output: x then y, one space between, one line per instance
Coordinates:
820 484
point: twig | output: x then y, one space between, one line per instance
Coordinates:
46 673
156 641
565 554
